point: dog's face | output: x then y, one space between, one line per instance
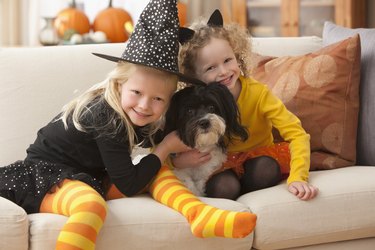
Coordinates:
202 115
199 122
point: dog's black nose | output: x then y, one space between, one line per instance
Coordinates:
204 124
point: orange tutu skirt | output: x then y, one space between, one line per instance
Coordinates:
279 151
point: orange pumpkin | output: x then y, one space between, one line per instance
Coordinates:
182 10
72 19
112 22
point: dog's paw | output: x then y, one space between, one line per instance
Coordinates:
191 186
200 186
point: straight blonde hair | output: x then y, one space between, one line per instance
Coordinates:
109 90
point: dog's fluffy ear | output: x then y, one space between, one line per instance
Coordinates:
172 114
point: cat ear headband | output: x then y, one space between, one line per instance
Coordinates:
215 20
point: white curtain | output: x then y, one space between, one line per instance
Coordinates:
31 22
10 33
19 22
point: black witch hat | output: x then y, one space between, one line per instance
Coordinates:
154 41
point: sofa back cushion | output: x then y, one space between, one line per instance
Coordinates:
321 88
291 46
366 129
35 83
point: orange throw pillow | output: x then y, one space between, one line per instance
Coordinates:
322 89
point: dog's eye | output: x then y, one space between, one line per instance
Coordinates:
211 108
190 112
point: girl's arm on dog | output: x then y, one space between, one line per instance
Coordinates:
191 158
170 144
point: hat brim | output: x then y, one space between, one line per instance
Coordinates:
181 77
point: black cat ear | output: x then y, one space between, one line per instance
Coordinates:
185 34
216 19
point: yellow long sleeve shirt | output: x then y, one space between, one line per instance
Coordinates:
260 110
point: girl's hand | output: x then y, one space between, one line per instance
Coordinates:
191 158
303 190
170 144
174 143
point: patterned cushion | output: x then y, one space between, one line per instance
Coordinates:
321 88
366 129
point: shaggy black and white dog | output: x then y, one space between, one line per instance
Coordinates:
206 118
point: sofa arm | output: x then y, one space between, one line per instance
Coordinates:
14 229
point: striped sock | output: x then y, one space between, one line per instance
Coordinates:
205 220
86 210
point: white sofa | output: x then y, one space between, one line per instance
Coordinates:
36 82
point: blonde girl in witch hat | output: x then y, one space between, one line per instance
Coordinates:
83 156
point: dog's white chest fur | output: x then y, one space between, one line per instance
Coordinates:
195 178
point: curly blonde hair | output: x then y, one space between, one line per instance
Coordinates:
109 90
237 36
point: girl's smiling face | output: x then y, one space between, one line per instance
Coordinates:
216 62
145 96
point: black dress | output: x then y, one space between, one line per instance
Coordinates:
96 157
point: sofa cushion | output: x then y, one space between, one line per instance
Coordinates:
321 88
14 226
366 131
343 210
292 46
139 223
36 82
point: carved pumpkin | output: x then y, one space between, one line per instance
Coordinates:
182 9
112 22
72 18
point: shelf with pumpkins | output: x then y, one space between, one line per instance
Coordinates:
72 26
110 25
